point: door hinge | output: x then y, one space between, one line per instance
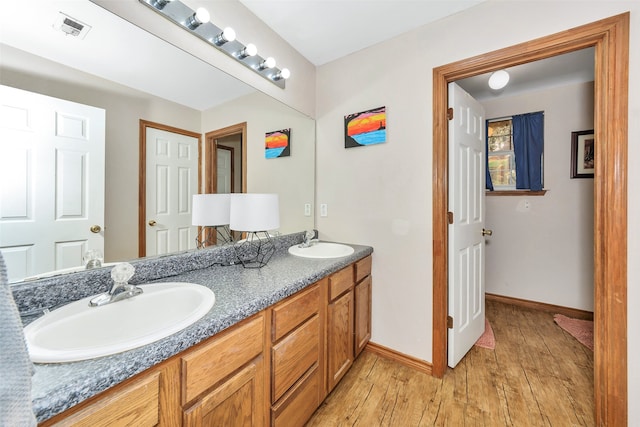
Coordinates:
449 322
450 217
449 113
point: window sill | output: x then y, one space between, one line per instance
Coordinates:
516 193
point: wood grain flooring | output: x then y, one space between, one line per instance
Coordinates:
538 375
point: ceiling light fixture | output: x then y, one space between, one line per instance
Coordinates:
498 79
198 23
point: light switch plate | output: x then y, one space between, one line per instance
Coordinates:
323 209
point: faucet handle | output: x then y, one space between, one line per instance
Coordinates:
92 259
122 272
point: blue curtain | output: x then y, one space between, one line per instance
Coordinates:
488 182
528 144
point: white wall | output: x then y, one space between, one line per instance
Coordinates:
291 177
545 253
381 195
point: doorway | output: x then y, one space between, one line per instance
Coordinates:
237 132
183 197
610 38
235 137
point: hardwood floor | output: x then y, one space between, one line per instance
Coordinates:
538 375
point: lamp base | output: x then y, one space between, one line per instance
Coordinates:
213 235
256 250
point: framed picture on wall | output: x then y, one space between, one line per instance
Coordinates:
365 128
277 144
582 154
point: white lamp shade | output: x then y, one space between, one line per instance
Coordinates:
254 212
210 209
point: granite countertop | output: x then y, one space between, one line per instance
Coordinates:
240 292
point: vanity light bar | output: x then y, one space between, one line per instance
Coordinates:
181 15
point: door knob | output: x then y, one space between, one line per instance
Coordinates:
152 222
95 228
486 232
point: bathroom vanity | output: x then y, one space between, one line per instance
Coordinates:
276 342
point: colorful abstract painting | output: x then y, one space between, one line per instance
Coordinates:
277 144
365 128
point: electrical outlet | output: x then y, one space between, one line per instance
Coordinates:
307 209
323 209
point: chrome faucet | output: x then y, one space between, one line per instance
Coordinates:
307 239
121 289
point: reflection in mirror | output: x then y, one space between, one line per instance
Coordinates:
120 76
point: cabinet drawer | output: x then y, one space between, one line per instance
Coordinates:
220 357
135 404
295 310
340 282
363 268
293 356
299 405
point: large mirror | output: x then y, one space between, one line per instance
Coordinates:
135 76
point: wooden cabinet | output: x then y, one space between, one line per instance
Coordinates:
296 355
274 368
340 324
223 379
362 327
148 399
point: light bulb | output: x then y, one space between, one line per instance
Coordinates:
227 35
282 74
249 50
200 17
268 63
498 79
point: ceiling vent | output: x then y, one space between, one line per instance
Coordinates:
71 26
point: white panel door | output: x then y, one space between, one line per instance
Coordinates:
171 181
51 182
223 172
466 240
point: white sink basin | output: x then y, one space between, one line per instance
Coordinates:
322 250
78 332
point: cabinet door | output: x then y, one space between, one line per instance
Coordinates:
236 402
363 315
135 404
339 338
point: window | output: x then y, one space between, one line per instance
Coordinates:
500 154
515 147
